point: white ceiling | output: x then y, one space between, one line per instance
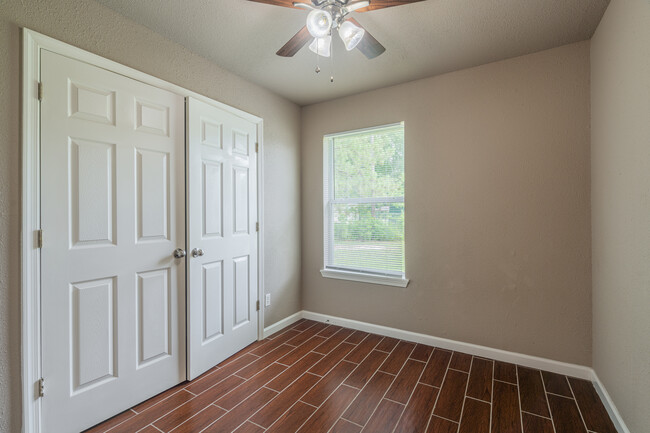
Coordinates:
421 39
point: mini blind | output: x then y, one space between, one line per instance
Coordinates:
364 201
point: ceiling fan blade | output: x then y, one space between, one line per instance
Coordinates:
295 43
284 3
369 46
381 4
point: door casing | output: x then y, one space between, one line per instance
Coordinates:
33 42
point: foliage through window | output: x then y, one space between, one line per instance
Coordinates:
364 201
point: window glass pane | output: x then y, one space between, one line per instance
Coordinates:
369 237
364 184
369 163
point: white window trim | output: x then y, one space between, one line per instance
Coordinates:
397 280
363 277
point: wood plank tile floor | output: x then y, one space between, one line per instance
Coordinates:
313 377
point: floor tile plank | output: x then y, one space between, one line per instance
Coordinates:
241 413
452 394
405 382
275 343
190 408
461 361
326 416
332 342
505 372
436 368
440 425
317 395
363 349
249 427
292 373
331 359
480 379
329 331
506 415
364 371
300 351
368 399
245 390
357 337
343 426
261 363
200 385
292 419
112 422
476 417
307 334
385 417
387 344
418 410
566 416
556 384
201 420
304 324
145 418
592 408
422 352
397 358
287 398
537 424
531 389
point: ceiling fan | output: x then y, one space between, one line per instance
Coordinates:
326 16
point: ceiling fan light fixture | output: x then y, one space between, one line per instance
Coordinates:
351 35
321 46
319 23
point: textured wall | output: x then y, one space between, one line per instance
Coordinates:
620 164
498 245
88 25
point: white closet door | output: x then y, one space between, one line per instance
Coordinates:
222 248
113 295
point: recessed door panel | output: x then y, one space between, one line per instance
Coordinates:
212 198
151 118
211 133
212 300
153 315
241 285
93 333
152 175
91 103
241 200
240 142
92 193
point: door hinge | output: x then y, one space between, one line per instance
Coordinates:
257 227
40 91
257 306
41 387
39 239
257 147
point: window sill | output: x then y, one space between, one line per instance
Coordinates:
365 278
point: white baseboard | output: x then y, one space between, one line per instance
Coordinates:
272 329
609 405
567 369
573 370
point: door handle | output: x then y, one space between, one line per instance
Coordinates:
197 252
179 253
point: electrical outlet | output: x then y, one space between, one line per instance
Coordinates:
267 300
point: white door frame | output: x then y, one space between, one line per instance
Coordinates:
33 43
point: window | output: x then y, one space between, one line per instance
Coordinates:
364 205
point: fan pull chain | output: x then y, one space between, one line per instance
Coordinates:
332 62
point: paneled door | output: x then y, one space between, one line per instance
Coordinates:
112 193
222 248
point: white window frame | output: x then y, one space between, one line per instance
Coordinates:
397 279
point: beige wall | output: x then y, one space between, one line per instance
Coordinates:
90 26
497 206
620 164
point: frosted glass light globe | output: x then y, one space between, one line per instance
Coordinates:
351 35
319 23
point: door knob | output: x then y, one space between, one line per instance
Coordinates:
179 253
197 252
